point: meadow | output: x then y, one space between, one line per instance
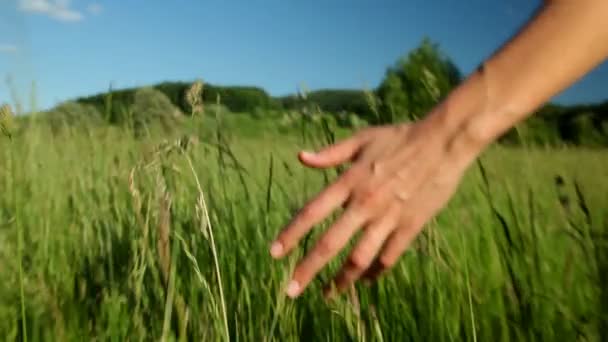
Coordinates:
108 236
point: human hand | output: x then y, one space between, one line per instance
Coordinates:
400 177
403 175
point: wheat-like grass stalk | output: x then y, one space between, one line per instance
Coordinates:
194 97
202 206
6 120
195 100
153 163
6 117
164 231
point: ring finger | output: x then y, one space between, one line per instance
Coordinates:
366 249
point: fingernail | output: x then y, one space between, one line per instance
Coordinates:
308 154
276 249
293 288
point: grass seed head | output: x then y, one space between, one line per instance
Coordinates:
194 97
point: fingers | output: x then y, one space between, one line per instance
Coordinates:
313 213
397 243
407 173
334 155
366 249
326 248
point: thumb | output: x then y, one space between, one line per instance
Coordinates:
333 155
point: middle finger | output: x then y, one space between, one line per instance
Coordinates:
328 245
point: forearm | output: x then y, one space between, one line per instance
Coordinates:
562 43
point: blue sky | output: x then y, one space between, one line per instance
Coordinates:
75 48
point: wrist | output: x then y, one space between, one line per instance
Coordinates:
471 118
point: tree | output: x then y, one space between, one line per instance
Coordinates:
416 83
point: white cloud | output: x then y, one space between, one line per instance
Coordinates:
95 8
8 48
56 9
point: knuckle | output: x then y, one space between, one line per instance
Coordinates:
402 233
378 167
366 197
345 181
350 176
325 247
358 260
307 212
355 213
374 234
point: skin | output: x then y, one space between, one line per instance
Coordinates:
402 175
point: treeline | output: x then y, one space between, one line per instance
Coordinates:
410 88
115 103
554 125
330 101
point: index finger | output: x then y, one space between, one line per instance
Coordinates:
313 213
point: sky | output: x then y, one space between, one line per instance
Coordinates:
60 49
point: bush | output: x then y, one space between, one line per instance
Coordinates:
113 106
73 115
151 105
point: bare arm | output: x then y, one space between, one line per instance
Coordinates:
402 175
561 44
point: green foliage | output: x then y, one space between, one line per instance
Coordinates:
236 99
512 257
331 100
175 92
395 100
349 120
239 99
113 105
534 131
554 125
411 87
6 120
416 83
584 131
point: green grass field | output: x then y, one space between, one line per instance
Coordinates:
105 237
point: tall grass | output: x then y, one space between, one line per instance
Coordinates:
106 236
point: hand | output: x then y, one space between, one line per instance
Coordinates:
400 177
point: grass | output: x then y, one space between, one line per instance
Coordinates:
105 237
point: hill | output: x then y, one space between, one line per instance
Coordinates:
410 88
